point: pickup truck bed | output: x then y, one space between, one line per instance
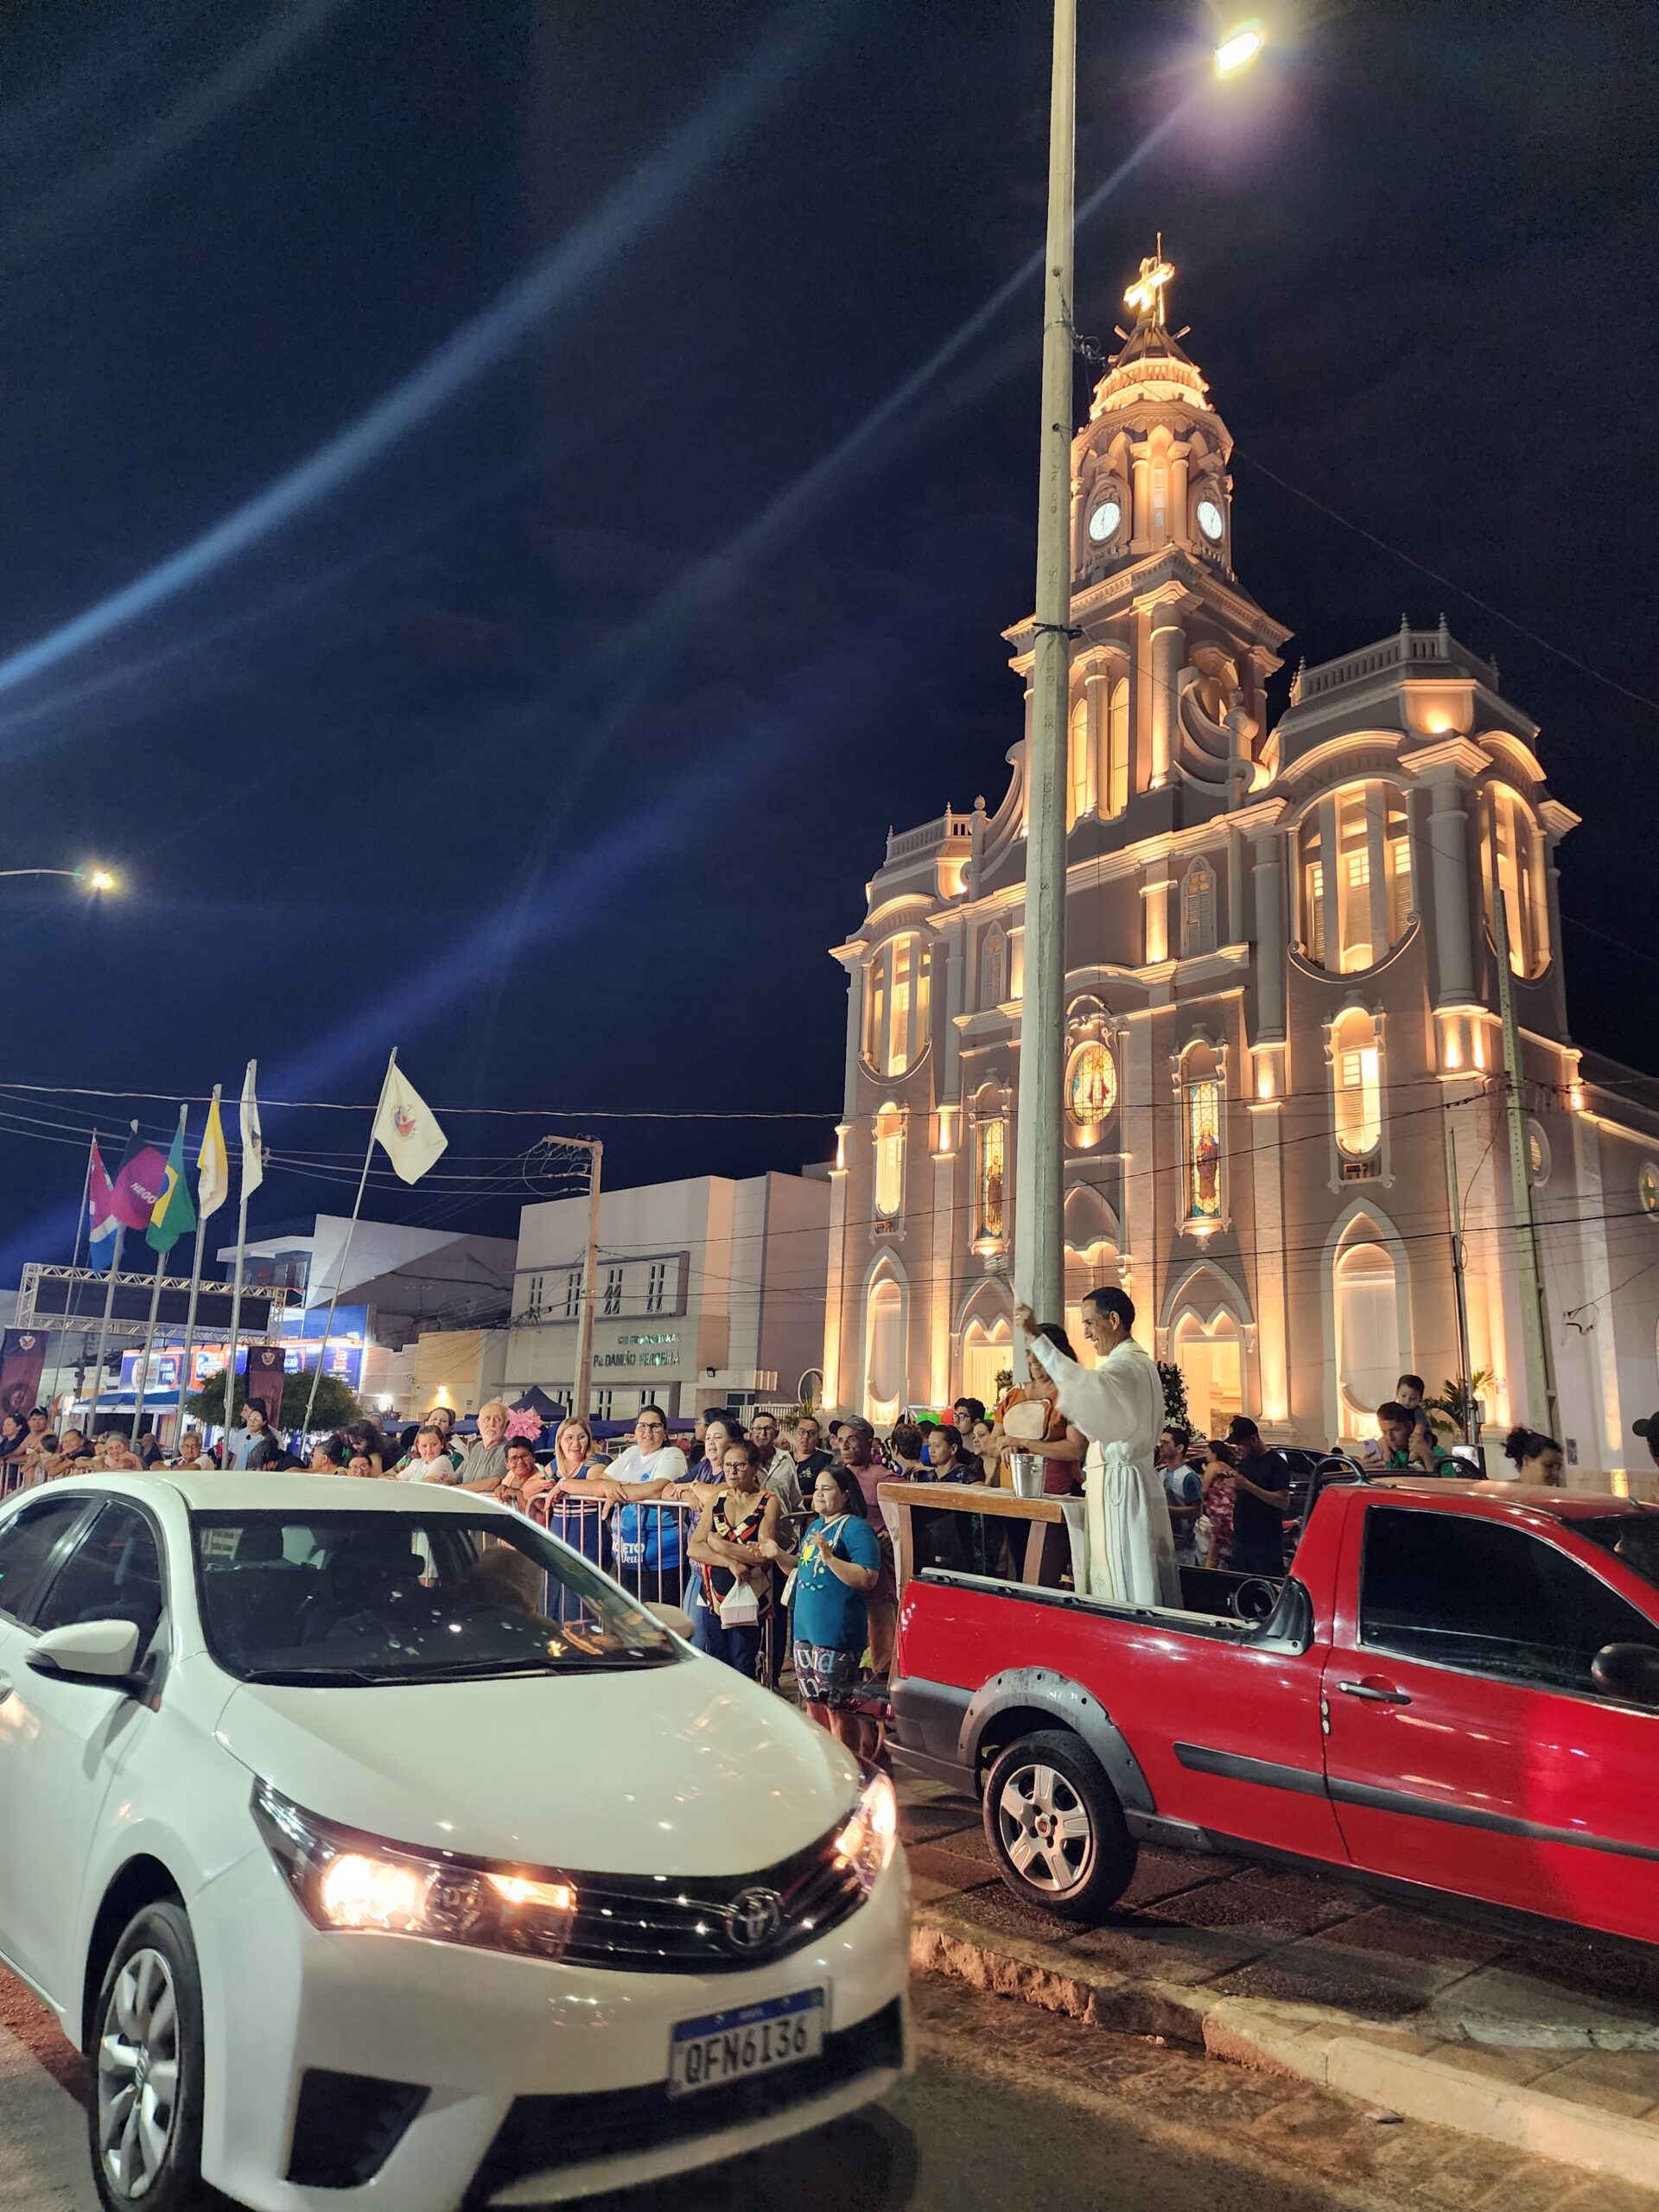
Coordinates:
1456 1689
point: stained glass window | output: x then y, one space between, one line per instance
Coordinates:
1091 1085
990 1140
1203 1150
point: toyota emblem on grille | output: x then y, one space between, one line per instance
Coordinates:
754 1919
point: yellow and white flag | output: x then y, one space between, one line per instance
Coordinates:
406 1127
253 1148
213 1166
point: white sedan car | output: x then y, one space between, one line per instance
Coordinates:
379 1850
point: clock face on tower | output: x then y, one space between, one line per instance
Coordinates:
1211 521
1102 524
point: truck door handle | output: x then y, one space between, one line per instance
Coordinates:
1374 1692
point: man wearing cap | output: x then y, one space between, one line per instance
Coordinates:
1260 1496
1119 1406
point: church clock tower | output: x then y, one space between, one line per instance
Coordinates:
1156 600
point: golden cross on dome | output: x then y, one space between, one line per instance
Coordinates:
1146 295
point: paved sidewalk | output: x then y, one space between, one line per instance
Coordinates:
1551 2047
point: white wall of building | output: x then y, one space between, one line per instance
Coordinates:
707 1290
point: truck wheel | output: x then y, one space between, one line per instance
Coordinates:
1055 1827
144 2112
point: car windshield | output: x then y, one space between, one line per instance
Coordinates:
1632 1537
349 1599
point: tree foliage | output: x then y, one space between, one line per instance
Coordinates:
1174 1383
336 1406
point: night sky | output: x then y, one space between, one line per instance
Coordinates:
509 609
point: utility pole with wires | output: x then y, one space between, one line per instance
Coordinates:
581 1387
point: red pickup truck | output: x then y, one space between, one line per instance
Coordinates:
1456 1689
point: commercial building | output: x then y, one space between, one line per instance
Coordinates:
708 1292
1282 1022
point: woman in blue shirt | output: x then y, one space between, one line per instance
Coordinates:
839 1561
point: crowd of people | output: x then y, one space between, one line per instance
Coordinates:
773 1538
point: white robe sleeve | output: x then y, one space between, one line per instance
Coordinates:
1104 1403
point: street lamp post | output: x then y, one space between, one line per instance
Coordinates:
90 878
1039 1235
1038 1255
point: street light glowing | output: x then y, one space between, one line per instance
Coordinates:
97 879
1239 49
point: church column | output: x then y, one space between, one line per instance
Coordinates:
948 1127
835 1300
1179 524
1376 817
1448 845
1097 690
1330 885
1168 643
1588 1193
1141 704
1271 938
1268 1291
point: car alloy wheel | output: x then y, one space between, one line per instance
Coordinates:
139 2063
1045 1829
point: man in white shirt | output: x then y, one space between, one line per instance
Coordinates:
1119 1405
776 1466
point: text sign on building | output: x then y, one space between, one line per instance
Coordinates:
656 1350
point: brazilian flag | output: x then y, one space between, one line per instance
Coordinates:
173 1216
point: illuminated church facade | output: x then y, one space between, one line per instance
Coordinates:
1282 1024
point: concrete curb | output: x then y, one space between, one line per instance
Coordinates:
1308 2042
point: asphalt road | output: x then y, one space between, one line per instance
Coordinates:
1009 2107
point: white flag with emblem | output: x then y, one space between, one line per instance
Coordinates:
406 1127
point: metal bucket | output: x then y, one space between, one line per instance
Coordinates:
1026 1471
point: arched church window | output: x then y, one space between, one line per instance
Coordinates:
1201 1155
1354 878
1079 782
885 1347
990 1164
1514 849
896 1005
889 1162
1116 780
1356 1069
993 974
1368 1324
1197 910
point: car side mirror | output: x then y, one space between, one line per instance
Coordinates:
675 1619
1628 1671
88 1651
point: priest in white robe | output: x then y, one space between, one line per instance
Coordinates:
1119 1406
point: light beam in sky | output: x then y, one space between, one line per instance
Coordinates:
655 189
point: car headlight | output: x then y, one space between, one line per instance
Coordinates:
345 1880
871 1836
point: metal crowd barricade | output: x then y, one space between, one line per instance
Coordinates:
590 1526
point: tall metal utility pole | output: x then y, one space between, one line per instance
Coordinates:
1535 1315
1038 1246
582 1388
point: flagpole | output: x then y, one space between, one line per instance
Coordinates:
103 1325
74 1263
195 1292
346 1249
236 1291
156 1300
